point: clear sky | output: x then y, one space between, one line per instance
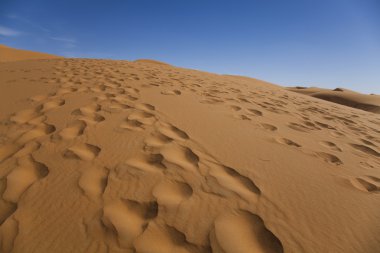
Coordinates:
324 43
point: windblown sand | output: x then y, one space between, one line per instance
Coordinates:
118 156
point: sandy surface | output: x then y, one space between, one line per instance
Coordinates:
370 103
8 54
117 156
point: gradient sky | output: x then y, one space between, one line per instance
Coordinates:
324 43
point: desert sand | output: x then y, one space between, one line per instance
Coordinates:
8 54
122 156
370 103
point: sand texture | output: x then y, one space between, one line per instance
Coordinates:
118 156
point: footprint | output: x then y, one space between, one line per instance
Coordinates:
83 151
235 107
24 116
39 131
368 164
8 233
120 91
173 132
27 149
172 193
74 129
298 127
288 142
143 117
6 208
374 179
184 157
243 232
367 142
230 179
93 119
330 158
256 112
147 162
132 98
88 114
145 107
366 149
171 92
7 150
132 90
52 104
330 145
93 181
128 218
157 140
23 176
337 134
89 109
311 125
268 127
133 125
244 117
245 100
168 238
38 98
115 107
38 120
324 125
212 101
66 90
367 184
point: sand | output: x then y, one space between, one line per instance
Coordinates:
370 103
8 54
119 156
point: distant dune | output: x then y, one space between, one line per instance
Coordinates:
370 103
151 62
8 54
113 156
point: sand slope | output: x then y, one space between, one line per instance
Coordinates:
8 54
117 156
370 103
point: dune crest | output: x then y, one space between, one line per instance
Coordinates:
150 61
8 54
370 103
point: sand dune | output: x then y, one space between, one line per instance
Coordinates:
151 62
11 54
370 103
118 156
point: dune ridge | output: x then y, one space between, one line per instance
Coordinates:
119 156
370 103
8 54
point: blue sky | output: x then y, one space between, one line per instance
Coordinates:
324 43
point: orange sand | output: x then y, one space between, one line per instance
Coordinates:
118 156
